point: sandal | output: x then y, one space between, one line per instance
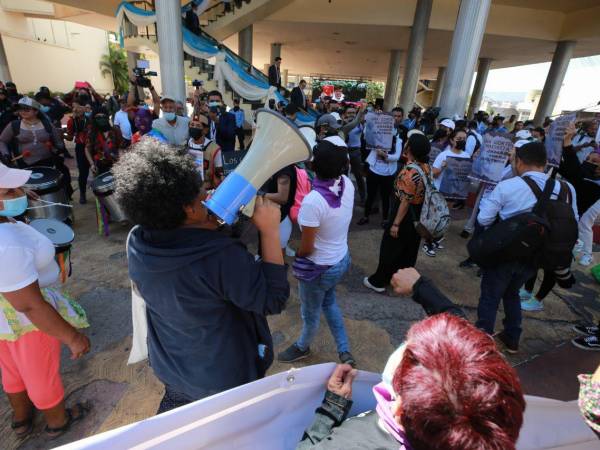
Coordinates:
55 433
27 424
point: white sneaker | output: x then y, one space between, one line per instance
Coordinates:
586 259
370 286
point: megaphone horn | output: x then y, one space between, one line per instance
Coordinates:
277 143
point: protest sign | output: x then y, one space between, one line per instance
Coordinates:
436 149
456 182
492 158
379 130
554 139
231 160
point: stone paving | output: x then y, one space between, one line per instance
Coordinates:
376 323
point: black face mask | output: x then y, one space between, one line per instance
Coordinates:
196 133
102 123
460 145
588 170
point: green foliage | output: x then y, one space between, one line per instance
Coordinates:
375 89
115 64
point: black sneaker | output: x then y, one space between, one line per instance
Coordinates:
465 234
586 330
82 199
587 343
437 243
467 263
347 358
293 354
429 250
509 345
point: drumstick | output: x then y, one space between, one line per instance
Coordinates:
51 204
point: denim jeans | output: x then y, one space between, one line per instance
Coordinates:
319 295
502 282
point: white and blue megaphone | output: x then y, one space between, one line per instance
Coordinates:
277 143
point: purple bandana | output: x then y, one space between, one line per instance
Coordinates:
331 190
385 402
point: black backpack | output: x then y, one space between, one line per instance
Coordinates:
543 237
477 143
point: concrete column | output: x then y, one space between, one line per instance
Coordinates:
393 78
170 48
4 69
466 43
266 69
439 84
483 69
275 51
414 57
245 43
554 80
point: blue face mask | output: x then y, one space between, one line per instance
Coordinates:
169 116
14 207
88 114
45 108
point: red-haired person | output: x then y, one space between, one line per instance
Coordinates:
446 388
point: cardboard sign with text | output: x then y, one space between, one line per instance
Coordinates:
379 130
492 158
554 140
456 182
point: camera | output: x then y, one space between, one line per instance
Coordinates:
197 83
141 75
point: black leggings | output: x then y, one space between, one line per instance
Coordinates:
548 283
382 184
83 166
356 166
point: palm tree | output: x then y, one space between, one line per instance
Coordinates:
115 64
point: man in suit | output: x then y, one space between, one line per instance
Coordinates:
298 98
192 22
275 73
222 123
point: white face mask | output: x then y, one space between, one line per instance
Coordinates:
214 103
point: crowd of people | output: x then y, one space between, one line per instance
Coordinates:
207 297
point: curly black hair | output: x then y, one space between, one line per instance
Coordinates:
329 160
154 183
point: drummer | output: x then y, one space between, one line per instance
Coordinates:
104 143
31 140
34 319
206 152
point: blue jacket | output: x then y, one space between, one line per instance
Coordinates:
239 117
206 302
225 134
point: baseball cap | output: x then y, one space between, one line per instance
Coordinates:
329 120
168 98
521 143
13 178
523 134
29 103
448 123
414 131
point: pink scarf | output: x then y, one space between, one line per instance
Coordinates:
385 402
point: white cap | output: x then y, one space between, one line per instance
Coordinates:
13 178
336 115
414 131
521 143
168 97
31 103
448 123
523 134
336 140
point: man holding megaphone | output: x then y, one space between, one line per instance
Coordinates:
206 297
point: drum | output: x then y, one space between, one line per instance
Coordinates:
61 236
48 183
104 188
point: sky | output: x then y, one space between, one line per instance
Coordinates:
580 87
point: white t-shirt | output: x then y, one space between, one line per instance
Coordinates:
439 162
26 255
122 121
331 241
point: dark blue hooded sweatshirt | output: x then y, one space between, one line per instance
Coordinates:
206 302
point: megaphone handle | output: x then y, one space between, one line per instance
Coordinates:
248 210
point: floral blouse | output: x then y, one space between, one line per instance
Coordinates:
409 184
589 401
